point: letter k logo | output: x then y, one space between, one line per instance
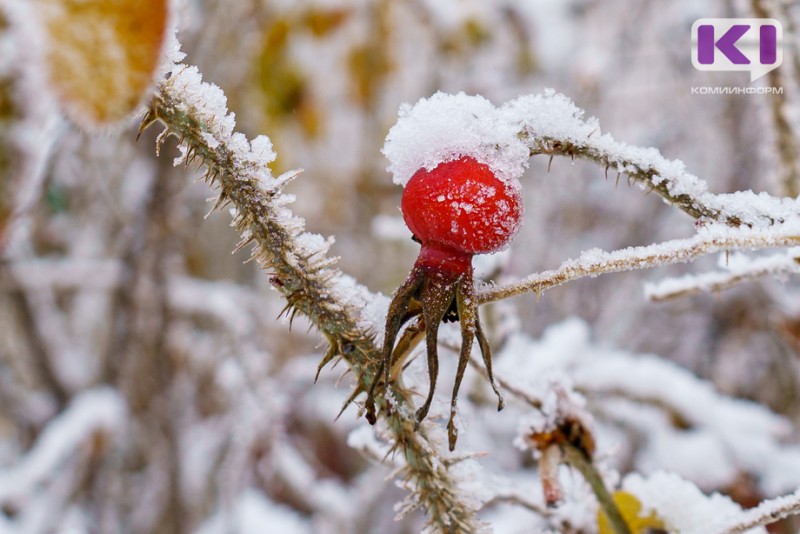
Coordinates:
726 44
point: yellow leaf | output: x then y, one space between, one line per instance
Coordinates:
102 54
283 83
630 508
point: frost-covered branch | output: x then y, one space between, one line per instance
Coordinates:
196 113
708 240
551 124
444 127
98 412
766 513
737 269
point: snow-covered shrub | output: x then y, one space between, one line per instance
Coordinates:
147 386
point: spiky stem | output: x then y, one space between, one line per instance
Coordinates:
309 281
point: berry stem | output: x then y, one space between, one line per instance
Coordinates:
433 256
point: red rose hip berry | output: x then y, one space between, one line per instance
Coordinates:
461 205
456 210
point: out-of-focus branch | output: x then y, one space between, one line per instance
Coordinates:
195 113
710 240
785 139
41 357
60 274
94 412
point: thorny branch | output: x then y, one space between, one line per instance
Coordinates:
649 176
704 207
724 213
308 283
312 286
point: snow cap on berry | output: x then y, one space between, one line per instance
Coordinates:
446 127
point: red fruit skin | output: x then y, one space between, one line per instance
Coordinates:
446 263
460 208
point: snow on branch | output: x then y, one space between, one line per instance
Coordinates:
551 124
688 511
651 394
765 513
98 411
736 269
445 127
708 240
196 113
349 316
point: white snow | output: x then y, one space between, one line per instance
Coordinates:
171 50
253 513
745 436
445 127
682 506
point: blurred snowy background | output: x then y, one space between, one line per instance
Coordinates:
147 386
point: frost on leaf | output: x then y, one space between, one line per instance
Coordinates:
102 54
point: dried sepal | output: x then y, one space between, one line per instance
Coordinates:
565 436
434 296
549 463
